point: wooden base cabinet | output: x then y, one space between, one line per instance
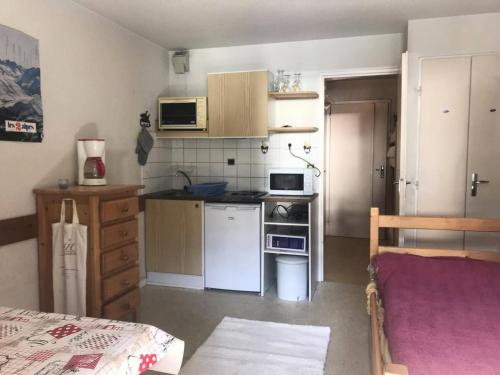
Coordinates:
109 212
174 236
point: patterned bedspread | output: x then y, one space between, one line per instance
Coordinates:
33 342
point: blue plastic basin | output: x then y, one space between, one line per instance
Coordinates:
209 189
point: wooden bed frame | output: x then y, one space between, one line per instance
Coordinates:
418 222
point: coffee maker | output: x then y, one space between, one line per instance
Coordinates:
91 162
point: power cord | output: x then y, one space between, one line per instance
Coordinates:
309 165
276 208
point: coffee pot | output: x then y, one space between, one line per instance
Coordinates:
91 162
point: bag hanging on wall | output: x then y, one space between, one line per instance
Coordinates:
69 264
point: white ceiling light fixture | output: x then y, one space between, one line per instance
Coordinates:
180 61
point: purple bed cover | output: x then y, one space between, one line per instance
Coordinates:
442 315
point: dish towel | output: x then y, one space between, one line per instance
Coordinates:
144 145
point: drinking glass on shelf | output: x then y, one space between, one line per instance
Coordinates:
286 83
296 85
278 79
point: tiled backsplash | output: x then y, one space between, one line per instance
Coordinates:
206 160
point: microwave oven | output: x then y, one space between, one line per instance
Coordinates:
182 113
290 181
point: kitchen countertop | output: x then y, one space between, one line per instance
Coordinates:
227 197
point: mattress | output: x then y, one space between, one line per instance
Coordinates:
33 342
442 315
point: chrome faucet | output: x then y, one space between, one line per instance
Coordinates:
181 172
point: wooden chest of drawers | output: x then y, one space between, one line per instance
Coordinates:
112 258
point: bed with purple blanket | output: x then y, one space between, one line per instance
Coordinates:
434 311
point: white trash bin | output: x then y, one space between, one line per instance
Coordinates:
292 277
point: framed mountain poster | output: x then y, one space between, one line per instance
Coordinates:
21 115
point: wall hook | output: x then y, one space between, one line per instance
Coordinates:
264 148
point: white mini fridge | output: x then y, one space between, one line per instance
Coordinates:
232 246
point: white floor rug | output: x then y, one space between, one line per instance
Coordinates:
250 347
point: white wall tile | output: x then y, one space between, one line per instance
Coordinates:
244 183
202 180
177 155
216 155
177 143
232 183
243 143
229 153
203 155
243 170
189 155
257 156
257 184
230 171
203 143
202 169
244 156
257 170
216 143
274 141
189 168
216 170
230 143
190 143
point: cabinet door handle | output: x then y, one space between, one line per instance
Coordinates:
125 209
125 283
124 233
125 258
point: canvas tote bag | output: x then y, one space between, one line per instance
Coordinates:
69 267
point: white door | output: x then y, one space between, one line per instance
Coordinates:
442 145
400 177
357 165
232 247
483 170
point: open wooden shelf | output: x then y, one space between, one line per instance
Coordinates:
293 129
294 95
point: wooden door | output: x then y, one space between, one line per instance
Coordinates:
442 145
357 147
237 104
484 150
174 236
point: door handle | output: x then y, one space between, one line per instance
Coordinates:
475 181
381 171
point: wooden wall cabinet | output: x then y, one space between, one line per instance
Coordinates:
174 236
238 104
109 212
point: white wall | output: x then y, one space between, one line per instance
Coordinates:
313 59
96 78
473 34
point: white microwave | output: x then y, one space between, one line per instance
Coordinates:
189 113
291 181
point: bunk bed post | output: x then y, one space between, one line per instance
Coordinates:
374 218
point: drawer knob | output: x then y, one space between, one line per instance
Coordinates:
124 233
125 283
125 209
125 258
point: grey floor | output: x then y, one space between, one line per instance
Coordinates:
192 315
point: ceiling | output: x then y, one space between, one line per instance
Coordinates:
217 23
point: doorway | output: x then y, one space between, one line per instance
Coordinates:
360 144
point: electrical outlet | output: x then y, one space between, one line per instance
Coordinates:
230 161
